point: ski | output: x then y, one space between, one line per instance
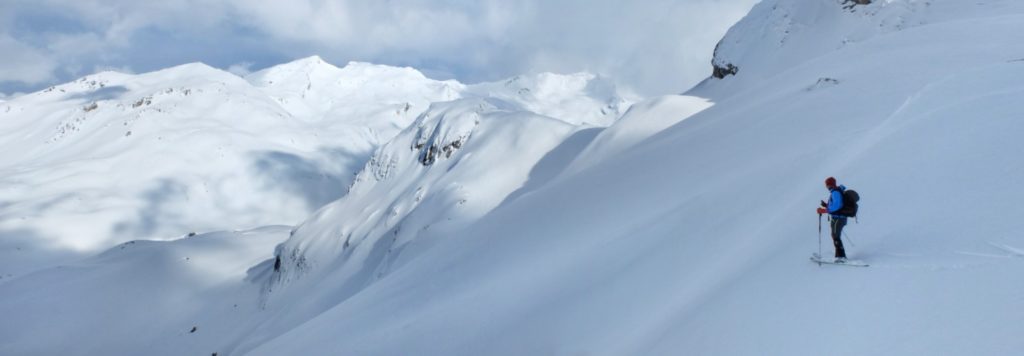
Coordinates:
852 263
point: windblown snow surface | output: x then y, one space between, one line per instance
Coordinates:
487 227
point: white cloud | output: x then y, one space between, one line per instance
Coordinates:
241 69
23 63
106 68
657 46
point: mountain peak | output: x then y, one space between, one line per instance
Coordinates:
780 34
301 70
191 67
312 59
312 62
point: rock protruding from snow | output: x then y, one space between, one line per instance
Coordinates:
850 4
441 137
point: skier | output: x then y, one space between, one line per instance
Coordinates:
837 220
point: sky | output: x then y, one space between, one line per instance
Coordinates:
650 46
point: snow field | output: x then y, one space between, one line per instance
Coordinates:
684 227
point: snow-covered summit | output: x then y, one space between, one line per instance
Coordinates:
185 139
312 89
180 143
779 34
579 98
299 71
304 73
314 76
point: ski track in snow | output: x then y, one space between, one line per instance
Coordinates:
1015 252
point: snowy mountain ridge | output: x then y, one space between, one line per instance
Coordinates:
453 165
312 88
684 227
195 148
791 32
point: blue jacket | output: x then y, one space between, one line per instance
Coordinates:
835 201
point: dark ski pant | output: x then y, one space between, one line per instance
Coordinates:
837 235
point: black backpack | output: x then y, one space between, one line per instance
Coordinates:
850 199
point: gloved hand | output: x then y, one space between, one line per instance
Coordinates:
824 204
822 211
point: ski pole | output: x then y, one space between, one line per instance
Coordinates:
850 239
819 234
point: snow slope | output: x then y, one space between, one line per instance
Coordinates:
683 228
454 164
115 157
457 161
696 240
193 148
143 297
639 123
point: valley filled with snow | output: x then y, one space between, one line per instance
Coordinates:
370 210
